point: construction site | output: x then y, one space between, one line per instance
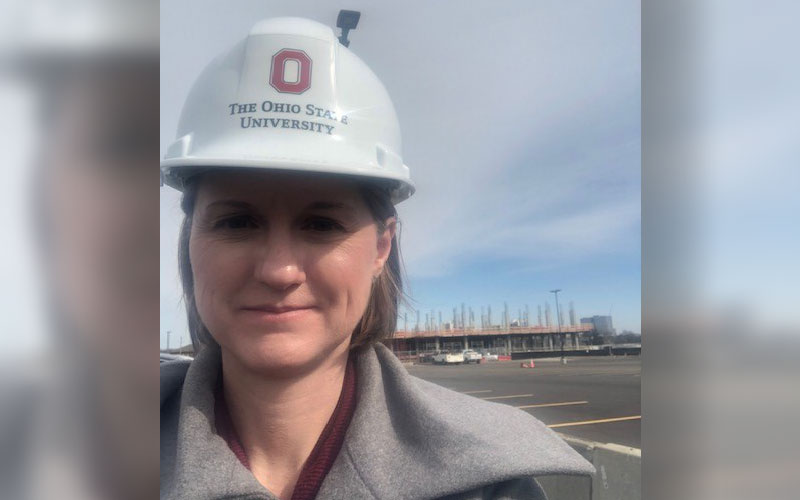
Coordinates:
519 337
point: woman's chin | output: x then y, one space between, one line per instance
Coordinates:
284 355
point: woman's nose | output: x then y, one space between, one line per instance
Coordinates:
278 264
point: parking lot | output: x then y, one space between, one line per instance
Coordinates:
594 398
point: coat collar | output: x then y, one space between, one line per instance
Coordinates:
203 467
413 439
408 439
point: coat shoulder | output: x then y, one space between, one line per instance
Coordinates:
495 433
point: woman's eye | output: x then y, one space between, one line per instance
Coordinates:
322 225
235 222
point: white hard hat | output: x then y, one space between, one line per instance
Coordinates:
290 96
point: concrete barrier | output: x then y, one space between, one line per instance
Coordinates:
618 477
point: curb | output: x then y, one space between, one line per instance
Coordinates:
618 476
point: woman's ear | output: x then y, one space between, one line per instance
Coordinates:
385 244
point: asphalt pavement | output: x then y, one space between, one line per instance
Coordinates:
594 398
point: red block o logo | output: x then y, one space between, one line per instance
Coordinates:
277 73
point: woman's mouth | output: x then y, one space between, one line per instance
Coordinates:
277 312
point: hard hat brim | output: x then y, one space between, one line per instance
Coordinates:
178 172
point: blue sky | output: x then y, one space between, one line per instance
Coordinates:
521 127
597 290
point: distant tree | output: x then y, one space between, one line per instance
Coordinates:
595 338
627 337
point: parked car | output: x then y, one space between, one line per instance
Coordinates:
488 356
471 356
448 358
425 358
165 357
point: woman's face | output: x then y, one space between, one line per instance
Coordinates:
283 266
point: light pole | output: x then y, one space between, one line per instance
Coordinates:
558 318
168 332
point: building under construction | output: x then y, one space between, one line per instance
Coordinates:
468 331
498 340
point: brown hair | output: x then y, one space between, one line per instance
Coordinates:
380 316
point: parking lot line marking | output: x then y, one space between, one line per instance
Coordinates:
476 392
592 374
603 421
512 396
554 404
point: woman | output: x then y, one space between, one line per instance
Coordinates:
288 159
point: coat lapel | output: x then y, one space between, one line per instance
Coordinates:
412 439
205 467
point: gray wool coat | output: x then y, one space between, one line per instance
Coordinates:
408 439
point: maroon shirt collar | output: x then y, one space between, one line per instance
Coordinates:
325 450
